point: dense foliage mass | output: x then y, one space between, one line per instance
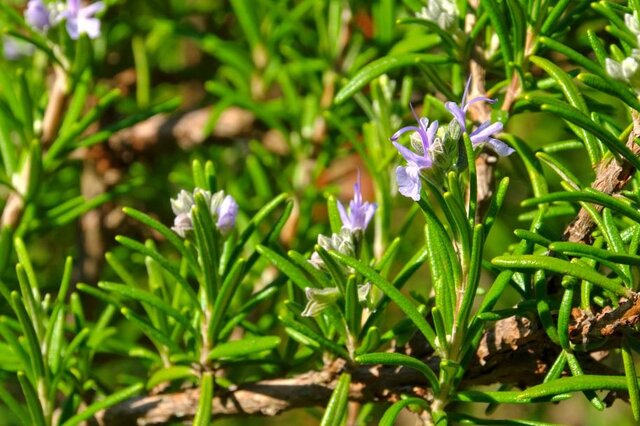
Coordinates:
351 212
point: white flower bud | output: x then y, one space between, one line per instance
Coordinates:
632 23
442 12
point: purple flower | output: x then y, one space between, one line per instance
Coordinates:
38 15
409 183
483 134
81 20
223 209
226 212
359 214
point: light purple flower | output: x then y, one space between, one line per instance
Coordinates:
408 177
483 134
38 15
360 213
81 20
227 212
223 210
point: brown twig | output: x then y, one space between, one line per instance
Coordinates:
611 176
58 97
185 129
515 351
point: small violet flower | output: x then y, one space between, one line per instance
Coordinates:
483 134
81 20
38 15
408 177
227 212
223 209
359 214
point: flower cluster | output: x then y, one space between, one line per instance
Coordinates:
628 69
429 143
442 12
360 212
78 19
342 242
354 222
223 209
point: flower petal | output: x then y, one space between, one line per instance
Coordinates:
90 10
501 148
458 114
370 209
72 27
482 133
346 221
478 99
411 156
409 183
89 26
466 91
227 214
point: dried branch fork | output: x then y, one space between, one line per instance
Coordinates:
514 351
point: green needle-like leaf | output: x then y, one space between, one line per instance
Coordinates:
528 262
283 264
589 195
390 358
575 116
33 403
384 65
162 261
337 405
632 379
310 335
203 415
35 355
575 384
243 347
148 298
393 293
169 374
105 403
390 415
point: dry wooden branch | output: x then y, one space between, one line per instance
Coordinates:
514 351
185 129
611 176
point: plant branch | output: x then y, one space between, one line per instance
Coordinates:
611 176
515 351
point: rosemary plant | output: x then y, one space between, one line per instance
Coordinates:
344 212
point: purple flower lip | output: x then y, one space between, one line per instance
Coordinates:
38 15
360 213
408 177
483 134
81 20
460 111
227 213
